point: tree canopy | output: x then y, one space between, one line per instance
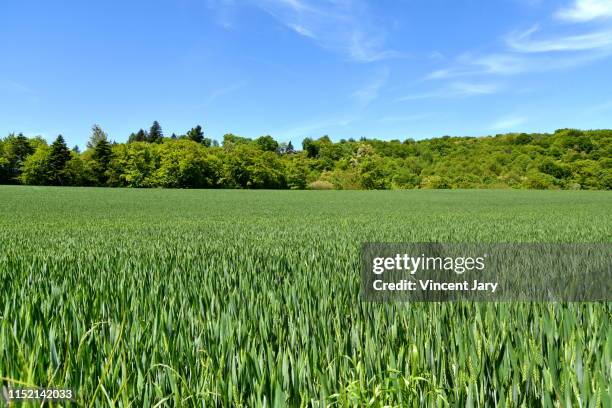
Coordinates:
565 159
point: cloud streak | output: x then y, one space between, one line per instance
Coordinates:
343 26
15 88
370 92
586 10
508 123
456 90
524 42
539 50
220 92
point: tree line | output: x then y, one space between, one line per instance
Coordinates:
565 159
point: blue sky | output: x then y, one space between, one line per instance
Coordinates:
295 68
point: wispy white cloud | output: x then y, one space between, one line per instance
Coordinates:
456 90
524 41
223 11
469 64
363 48
498 63
354 111
586 10
508 123
470 88
370 92
220 92
16 88
345 26
300 29
508 64
540 49
436 56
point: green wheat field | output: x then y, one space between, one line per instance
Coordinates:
209 298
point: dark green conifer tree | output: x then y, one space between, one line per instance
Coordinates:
155 133
58 158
